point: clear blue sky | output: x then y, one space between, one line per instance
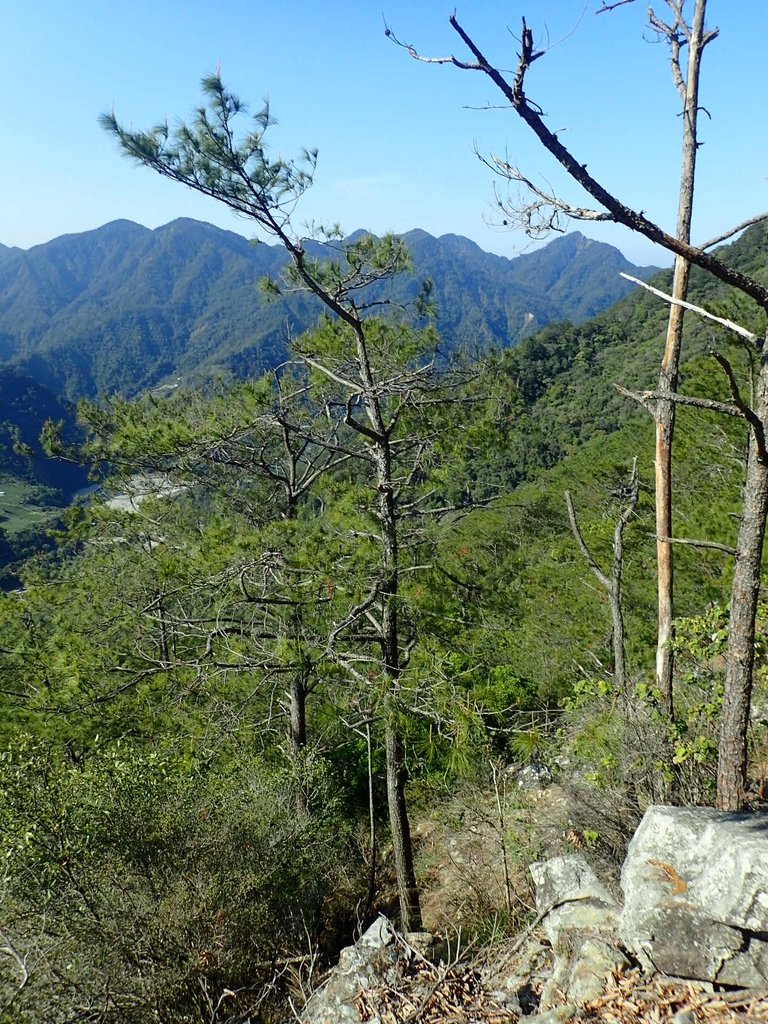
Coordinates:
395 137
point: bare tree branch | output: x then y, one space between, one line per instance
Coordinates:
734 231
612 6
713 544
544 213
645 397
9 950
699 310
749 414
588 558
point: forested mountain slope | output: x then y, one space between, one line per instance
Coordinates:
571 429
567 374
155 666
33 487
123 308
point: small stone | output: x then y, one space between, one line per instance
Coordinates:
432 947
559 1015
508 1000
684 1017
533 776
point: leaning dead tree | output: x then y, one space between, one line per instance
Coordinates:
612 584
547 209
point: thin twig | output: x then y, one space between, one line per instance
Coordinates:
734 231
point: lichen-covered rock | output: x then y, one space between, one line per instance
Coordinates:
574 897
695 887
533 776
370 962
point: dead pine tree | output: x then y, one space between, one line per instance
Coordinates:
546 210
612 584
691 38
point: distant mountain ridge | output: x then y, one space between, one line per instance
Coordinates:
123 307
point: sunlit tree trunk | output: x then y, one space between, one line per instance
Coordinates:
688 87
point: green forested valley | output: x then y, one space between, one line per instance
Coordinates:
327 580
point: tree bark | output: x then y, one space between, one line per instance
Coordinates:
407 890
670 364
617 571
371 894
734 722
297 736
298 727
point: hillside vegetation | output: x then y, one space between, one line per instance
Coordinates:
336 598
154 685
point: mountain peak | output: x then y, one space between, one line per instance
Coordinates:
125 307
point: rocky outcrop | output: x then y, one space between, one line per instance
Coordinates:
570 898
372 961
579 918
695 885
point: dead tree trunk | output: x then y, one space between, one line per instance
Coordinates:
745 589
688 87
740 653
612 584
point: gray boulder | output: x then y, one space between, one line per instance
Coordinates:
572 897
371 961
695 887
580 920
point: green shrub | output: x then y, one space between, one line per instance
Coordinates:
138 888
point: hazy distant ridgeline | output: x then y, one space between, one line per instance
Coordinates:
122 308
